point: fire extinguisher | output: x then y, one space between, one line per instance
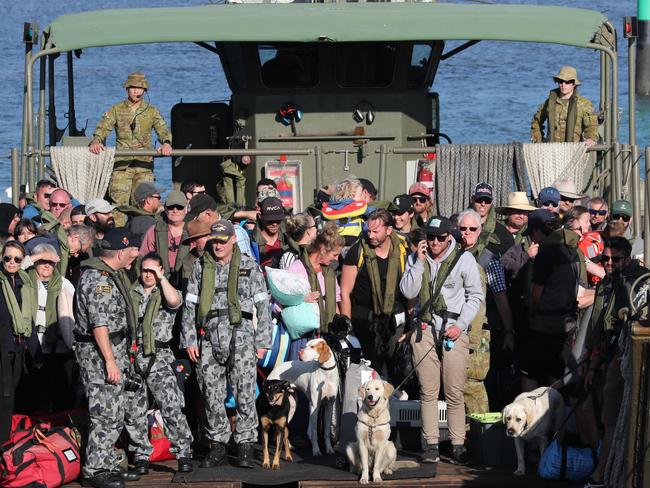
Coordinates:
425 175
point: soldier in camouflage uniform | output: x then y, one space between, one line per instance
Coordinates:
133 119
224 292
232 187
156 302
568 116
104 313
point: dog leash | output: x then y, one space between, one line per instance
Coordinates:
415 366
559 380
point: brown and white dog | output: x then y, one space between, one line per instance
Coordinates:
373 449
317 376
532 415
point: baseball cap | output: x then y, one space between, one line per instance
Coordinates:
117 239
537 218
98 205
483 190
144 190
175 197
222 230
437 226
271 209
621 207
265 193
419 188
549 194
404 203
199 203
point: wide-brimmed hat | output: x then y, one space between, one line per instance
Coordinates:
136 80
517 200
567 73
567 188
196 229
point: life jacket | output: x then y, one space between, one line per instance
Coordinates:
432 302
348 214
592 245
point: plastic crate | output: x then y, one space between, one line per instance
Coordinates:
488 442
406 424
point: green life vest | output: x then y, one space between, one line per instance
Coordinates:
384 304
22 316
150 315
208 278
487 233
161 229
326 304
123 285
571 117
437 306
53 291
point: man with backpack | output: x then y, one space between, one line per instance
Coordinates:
447 284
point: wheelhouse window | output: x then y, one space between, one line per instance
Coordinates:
420 58
288 66
367 64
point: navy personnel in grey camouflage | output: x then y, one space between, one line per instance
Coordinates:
104 314
225 292
155 302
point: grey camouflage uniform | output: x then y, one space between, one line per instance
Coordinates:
99 303
214 348
161 382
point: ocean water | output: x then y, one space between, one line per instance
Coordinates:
488 93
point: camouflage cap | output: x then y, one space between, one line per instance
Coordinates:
136 80
567 73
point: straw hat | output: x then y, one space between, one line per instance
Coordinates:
517 200
567 73
567 188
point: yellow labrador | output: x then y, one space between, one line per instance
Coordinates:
532 416
373 449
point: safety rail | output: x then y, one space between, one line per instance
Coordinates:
637 464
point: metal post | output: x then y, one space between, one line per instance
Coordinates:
382 170
643 61
646 213
15 186
607 159
616 172
631 62
27 125
41 119
318 157
635 190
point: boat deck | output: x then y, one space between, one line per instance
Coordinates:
305 473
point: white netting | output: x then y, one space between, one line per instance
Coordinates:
552 161
83 174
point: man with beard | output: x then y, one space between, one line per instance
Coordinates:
494 235
516 213
371 272
269 236
100 214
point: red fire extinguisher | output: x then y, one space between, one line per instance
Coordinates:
425 175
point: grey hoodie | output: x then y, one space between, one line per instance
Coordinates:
462 289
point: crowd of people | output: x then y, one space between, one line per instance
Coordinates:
483 304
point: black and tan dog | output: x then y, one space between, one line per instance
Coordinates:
275 407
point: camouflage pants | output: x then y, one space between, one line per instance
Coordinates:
212 381
106 412
161 382
232 188
478 365
125 178
476 398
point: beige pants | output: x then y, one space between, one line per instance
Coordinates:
454 374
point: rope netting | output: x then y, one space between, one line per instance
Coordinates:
548 162
460 167
83 174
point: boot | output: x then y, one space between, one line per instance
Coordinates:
245 455
141 466
216 456
431 454
185 465
103 479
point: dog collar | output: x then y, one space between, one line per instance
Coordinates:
328 369
371 428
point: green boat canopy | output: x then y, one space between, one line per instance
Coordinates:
343 22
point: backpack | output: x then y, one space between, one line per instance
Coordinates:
41 457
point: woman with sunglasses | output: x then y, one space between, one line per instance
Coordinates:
54 324
568 117
17 334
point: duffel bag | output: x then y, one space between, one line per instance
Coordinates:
46 458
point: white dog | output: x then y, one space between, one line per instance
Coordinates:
317 376
532 416
373 449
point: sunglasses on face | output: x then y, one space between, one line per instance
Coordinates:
175 207
47 195
57 204
198 192
442 238
483 200
462 228
567 199
624 218
601 212
15 259
613 259
157 197
565 82
550 204
420 199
